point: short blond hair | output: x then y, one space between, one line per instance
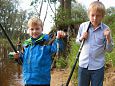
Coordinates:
35 21
97 6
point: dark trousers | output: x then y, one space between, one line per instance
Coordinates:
35 85
93 77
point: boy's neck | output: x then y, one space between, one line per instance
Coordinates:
37 37
96 26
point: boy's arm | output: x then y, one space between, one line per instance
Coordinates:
78 38
109 45
58 44
109 42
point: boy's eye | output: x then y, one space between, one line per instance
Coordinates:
37 28
34 29
95 15
31 29
92 15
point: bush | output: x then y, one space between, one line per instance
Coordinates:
61 63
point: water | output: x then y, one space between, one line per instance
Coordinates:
10 72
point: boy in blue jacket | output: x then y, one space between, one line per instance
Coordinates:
37 55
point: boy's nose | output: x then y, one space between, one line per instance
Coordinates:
34 30
94 17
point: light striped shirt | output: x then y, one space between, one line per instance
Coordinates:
92 54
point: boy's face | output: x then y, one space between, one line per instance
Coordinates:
95 18
35 30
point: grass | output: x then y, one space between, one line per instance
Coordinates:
71 60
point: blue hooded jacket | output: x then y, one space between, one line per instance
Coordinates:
37 60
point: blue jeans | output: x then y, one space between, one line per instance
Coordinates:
90 77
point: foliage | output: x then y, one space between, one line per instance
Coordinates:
11 18
110 11
110 57
109 19
78 15
61 63
36 1
53 1
61 18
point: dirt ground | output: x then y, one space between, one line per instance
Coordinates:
59 77
109 79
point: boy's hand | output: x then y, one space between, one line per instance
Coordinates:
60 34
16 56
84 36
107 35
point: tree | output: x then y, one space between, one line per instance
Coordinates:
10 16
110 11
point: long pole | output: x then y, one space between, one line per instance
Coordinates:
71 73
13 47
8 38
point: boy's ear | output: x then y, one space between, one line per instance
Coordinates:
28 31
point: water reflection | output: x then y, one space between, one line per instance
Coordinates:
10 72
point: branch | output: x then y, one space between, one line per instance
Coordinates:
51 7
45 15
40 8
37 12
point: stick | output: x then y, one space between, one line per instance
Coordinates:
71 73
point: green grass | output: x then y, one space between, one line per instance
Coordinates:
61 63
71 60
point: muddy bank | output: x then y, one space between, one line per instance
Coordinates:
109 79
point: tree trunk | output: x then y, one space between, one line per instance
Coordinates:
67 6
62 3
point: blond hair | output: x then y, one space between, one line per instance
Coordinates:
35 21
97 6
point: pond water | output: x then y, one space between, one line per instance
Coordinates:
10 72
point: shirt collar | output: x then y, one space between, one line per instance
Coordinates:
99 27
